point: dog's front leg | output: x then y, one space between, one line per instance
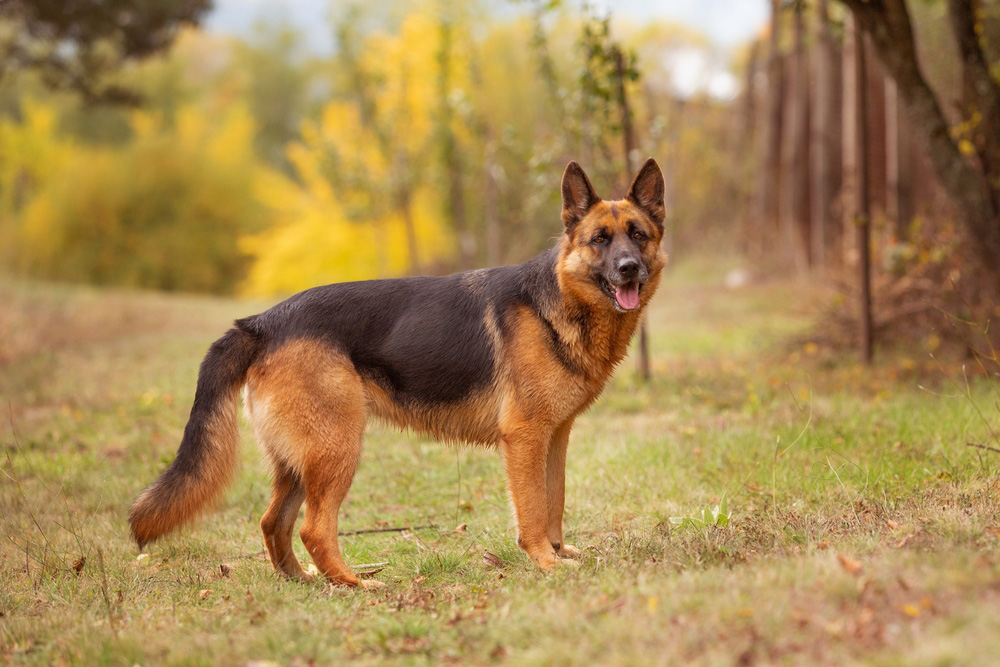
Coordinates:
525 451
555 483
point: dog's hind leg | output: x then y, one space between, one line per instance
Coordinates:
310 407
278 522
327 476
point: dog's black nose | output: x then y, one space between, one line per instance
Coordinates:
628 267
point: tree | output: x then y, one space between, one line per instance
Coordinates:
968 164
826 137
78 45
771 141
795 158
856 173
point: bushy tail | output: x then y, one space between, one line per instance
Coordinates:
206 460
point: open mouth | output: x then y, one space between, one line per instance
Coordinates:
624 296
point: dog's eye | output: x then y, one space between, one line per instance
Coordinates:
638 236
598 239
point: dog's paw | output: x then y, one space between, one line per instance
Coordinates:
545 561
568 551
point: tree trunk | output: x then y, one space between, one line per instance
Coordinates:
826 138
630 149
862 200
980 90
494 256
771 141
856 159
795 188
748 149
899 164
405 199
887 22
449 150
875 105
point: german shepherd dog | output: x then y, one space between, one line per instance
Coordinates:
504 357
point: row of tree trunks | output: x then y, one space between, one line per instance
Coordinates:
969 179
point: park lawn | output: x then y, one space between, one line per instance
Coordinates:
862 527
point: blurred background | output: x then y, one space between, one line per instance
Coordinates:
258 148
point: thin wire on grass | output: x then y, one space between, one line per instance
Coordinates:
394 529
980 446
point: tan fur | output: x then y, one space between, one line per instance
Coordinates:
160 509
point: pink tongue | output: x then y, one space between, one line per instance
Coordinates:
628 296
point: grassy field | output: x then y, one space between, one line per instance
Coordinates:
862 527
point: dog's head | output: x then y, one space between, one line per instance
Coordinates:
611 254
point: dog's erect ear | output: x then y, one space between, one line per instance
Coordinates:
577 195
647 191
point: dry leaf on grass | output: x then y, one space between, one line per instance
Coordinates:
492 559
204 593
461 528
849 564
225 569
79 563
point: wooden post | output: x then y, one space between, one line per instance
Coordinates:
628 136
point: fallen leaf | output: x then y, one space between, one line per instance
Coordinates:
892 524
849 564
823 545
79 563
225 569
492 559
461 528
651 604
204 593
911 610
419 580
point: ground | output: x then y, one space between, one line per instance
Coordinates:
862 528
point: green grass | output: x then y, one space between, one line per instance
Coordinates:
862 526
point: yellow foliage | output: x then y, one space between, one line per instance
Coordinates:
312 242
358 179
163 211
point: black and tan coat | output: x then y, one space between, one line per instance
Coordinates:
504 357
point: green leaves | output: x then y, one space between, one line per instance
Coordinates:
717 516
